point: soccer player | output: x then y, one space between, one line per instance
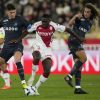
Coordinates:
13 25
81 23
3 71
42 47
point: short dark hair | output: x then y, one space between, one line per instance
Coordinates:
94 10
10 7
46 16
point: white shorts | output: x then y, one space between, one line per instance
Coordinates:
45 52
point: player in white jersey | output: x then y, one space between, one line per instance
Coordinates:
42 47
3 70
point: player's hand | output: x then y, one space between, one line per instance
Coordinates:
79 15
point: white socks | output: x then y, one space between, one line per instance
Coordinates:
6 78
77 87
31 79
41 80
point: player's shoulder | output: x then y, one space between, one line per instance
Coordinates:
53 23
19 17
4 19
38 23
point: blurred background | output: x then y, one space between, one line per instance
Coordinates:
61 11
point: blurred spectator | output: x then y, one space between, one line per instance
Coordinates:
1 8
61 10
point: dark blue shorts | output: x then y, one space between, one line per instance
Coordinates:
9 50
74 48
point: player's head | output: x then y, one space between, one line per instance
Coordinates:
11 11
90 11
46 18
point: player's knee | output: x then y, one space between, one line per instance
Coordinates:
48 61
36 56
17 56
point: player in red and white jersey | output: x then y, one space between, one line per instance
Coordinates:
42 47
4 72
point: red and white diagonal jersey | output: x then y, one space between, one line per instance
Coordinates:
44 35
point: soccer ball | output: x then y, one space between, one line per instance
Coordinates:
29 91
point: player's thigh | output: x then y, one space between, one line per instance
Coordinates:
5 55
81 55
36 55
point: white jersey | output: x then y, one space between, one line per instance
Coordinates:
44 35
2 35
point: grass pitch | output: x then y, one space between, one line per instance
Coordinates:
54 89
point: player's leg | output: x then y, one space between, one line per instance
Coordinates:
18 52
47 63
73 49
76 70
36 58
79 61
5 55
17 57
5 75
79 57
82 57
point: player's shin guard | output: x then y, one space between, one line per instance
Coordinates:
20 70
76 67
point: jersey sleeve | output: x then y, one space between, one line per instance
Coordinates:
33 27
2 33
58 27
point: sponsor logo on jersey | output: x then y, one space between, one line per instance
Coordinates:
10 28
44 33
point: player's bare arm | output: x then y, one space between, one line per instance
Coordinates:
72 21
74 34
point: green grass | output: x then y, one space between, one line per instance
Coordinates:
54 89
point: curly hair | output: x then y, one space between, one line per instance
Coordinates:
94 10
